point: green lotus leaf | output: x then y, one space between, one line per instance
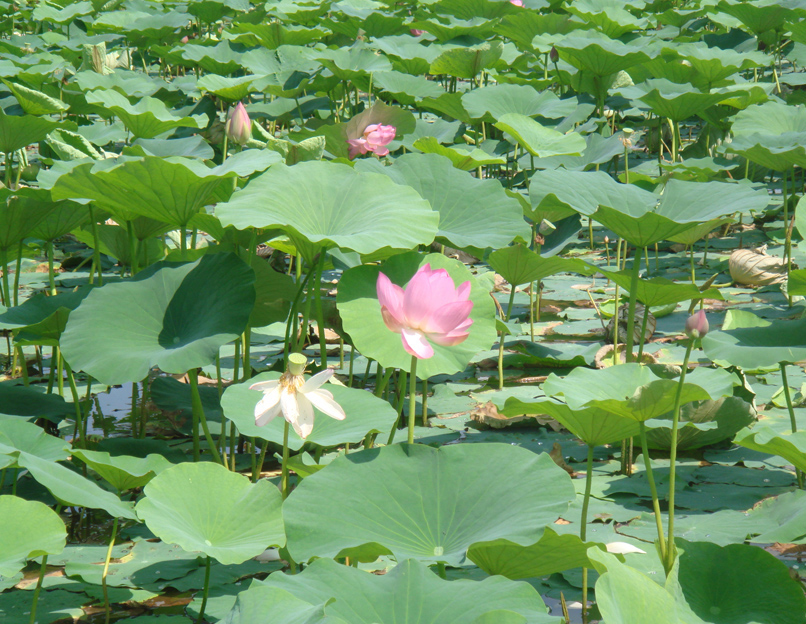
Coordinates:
35 102
114 241
671 100
735 583
712 64
610 17
230 89
520 265
205 507
70 488
21 212
353 63
140 26
467 62
790 446
146 119
691 236
445 29
274 294
472 212
47 13
357 301
491 103
365 414
329 205
30 529
752 348
551 553
659 291
17 132
598 54
175 316
761 16
780 519
406 88
634 391
30 403
419 595
220 58
63 219
123 472
20 435
771 134
253 604
128 83
466 159
414 501
523 26
539 140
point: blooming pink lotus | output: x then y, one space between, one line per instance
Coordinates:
429 308
516 2
374 139
238 126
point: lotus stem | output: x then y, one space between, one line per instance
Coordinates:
42 569
199 417
412 397
133 249
259 466
107 606
792 420
642 337
382 381
636 266
77 404
401 390
143 409
15 296
6 292
183 244
134 410
788 231
352 362
51 273
670 551
247 347
59 375
425 402
320 315
583 529
284 477
205 591
653 490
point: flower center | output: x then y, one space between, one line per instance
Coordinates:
291 383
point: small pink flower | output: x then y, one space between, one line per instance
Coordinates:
374 139
697 325
416 33
516 2
431 308
184 39
238 126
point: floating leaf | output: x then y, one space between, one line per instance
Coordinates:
30 529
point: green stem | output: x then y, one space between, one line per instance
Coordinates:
259 466
284 478
199 417
412 397
247 347
425 402
183 244
653 490
642 337
15 296
132 248
42 569
4 266
441 569
306 314
401 390
670 551
134 410
51 273
636 266
381 383
320 314
107 606
206 591
583 529
77 404
792 421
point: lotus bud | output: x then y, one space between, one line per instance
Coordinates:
554 56
415 32
697 325
516 2
239 126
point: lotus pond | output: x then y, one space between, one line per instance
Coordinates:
369 312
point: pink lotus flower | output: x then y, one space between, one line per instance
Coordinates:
429 308
238 126
516 2
374 139
697 325
416 33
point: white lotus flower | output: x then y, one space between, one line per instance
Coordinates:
296 398
623 548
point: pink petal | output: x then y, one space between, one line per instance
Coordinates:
391 297
381 151
449 340
463 292
415 344
418 299
448 317
390 321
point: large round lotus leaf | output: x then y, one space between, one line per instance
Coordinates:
671 100
216 59
21 212
70 488
598 54
659 291
611 17
42 318
409 593
123 472
419 502
790 446
752 348
703 423
148 118
253 604
333 205
174 316
770 134
472 212
634 391
357 301
520 265
65 217
467 62
538 140
205 507
492 102
735 584
18 132
21 435
30 529
366 413
465 158
591 424
32 403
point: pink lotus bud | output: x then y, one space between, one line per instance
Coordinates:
416 33
554 56
516 2
184 39
239 126
374 139
430 308
697 325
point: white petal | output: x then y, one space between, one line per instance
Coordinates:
269 400
325 403
266 417
303 425
623 548
290 407
265 386
317 380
